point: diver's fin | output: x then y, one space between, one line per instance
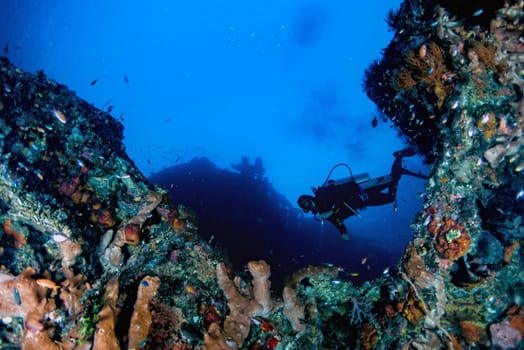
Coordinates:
406 152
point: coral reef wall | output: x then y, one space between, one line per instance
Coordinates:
84 239
452 80
92 256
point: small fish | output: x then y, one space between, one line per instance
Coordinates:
513 159
478 12
93 82
60 116
34 326
386 271
395 207
59 238
144 283
142 343
422 51
374 122
519 167
126 80
336 282
363 260
16 296
503 126
190 289
519 195
47 283
480 161
354 274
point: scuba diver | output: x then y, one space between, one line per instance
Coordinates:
337 200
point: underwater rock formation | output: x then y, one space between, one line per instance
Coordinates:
93 256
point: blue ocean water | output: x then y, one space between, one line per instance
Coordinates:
221 80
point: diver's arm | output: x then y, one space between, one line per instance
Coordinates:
326 215
410 173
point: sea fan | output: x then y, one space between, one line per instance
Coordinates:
360 311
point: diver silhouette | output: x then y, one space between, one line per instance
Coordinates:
337 200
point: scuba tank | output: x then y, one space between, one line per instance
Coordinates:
359 178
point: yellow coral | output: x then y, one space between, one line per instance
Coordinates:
404 80
427 67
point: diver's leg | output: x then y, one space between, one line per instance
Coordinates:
397 171
380 198
376 196
339 224
407 152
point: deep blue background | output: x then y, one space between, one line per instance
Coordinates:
280 80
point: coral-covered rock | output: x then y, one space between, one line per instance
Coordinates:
241 310
261 272
505 336
415 268
141 318
368 336
19 238
451 239
132 234
473 332
105 337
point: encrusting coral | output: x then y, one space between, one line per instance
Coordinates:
415 268
113 256
294 309
426 66
241 310
105 337
141 318
21 296
261 272
451 239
